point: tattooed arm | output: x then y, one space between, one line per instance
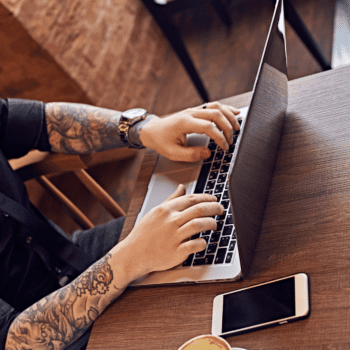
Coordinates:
62 317
159 241
79 128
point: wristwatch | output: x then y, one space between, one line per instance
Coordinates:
127 119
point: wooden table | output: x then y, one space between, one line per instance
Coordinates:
306 228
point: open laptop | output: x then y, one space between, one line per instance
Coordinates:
239 177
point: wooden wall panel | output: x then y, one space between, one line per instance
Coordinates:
27 70
111 48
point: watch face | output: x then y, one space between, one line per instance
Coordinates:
134 113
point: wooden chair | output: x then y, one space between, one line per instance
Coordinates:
41 165
163 11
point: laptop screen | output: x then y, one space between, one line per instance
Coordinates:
258 145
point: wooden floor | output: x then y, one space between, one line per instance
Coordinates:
227 61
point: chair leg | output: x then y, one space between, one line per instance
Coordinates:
71 209
100 194
172 34
299 27
222 13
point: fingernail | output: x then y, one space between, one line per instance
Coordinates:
205 153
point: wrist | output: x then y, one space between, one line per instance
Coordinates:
146 130
125 263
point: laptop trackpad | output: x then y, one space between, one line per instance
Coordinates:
162 185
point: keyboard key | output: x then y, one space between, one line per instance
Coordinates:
227 158
224 168
208 192
221 217
233 235
215 236
200 254
225 204
231 147
219 156
213 175
206 238
208 260
195 236
210 159
205 233
229 220
212 248
210 185
219 226
228 258
224 241
227 230
219 188
212 146
216 166
218 196
231 247
202 179
225 195
188 261
230 210
222 178
220 256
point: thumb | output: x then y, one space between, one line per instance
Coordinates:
191 154
180 191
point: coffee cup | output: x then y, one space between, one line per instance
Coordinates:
207 342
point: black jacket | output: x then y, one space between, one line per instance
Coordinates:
24 279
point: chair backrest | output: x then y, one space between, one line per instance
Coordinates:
41 165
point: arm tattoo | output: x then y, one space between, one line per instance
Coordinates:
61 318
78 128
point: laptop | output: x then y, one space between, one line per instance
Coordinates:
239 177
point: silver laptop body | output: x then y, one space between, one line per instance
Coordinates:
250 171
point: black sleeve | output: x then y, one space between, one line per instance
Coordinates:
7 315
22 127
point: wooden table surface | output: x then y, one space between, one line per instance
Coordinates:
306 228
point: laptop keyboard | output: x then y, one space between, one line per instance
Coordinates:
213 180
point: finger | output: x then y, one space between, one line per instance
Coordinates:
223 118
184 202
215 104
183 153
202 126
229 112
233 109
200 210
195 226
231 117
192 247
180 191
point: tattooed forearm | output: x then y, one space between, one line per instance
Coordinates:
78 128
62 317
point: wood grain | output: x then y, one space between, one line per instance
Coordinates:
120 59
305 229
114 53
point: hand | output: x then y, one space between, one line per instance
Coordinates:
167 135
160 240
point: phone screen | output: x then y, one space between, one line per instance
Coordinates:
253 306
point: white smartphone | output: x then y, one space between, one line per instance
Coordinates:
267 304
